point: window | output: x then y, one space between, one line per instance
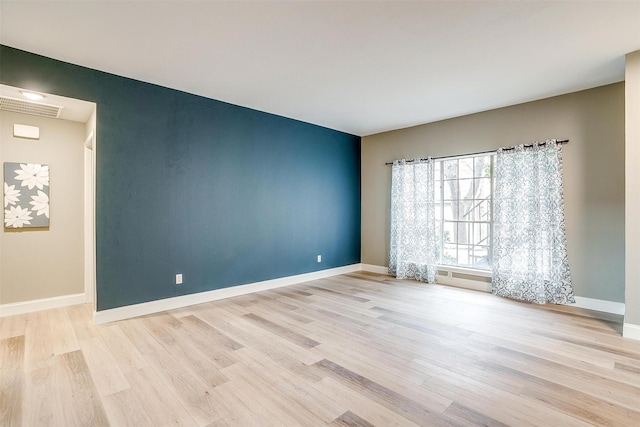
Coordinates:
463 210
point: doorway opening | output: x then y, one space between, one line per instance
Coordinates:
53 266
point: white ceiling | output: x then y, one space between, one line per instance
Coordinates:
74 110
357 66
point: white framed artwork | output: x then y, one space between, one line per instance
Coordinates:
26 195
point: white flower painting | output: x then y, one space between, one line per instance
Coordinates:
17 217
26 195
40 204
11 195
33 175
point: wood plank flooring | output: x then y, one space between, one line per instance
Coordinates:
353 350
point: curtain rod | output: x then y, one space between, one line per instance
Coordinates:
563 141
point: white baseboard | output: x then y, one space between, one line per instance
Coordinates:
629 330
581 302
599 305
23 307
126 312
375 268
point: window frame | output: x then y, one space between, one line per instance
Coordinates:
441 218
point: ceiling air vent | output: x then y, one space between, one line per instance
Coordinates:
29 107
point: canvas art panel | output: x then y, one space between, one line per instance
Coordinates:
26 195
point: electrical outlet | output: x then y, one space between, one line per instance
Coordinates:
319 258
179 279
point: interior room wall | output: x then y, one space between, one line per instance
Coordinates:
594 180
632 147
222 194
37 264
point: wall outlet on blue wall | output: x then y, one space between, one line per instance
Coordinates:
319 258
179 279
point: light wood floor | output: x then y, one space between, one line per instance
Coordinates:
359 349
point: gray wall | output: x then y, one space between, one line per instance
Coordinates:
594 179
46 263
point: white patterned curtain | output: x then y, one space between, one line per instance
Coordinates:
414 247
529 244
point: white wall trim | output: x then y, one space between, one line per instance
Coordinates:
126 312
89 218
581 302
629 330
23 307
375 268
599 305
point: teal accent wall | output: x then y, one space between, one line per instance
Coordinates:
223 194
